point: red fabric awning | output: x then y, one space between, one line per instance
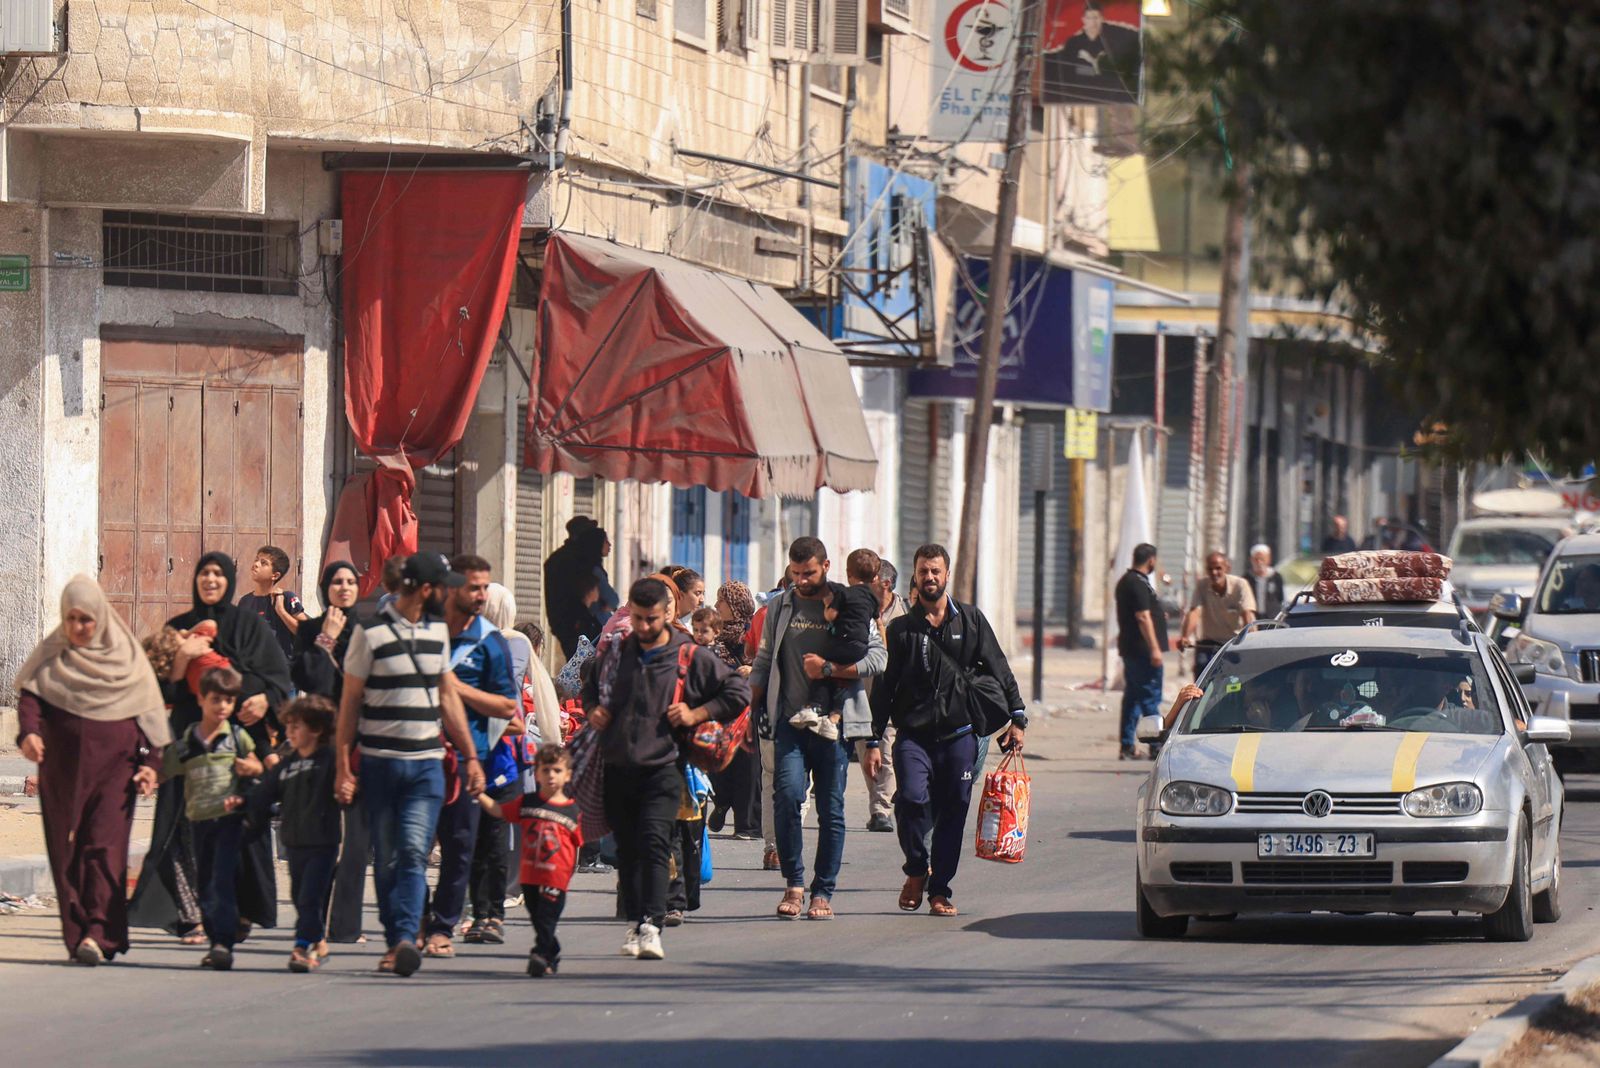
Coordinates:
429 258
653 369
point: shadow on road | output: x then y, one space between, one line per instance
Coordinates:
1183 1051
1121 836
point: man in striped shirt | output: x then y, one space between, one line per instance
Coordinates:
398 690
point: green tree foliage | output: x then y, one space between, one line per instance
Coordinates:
1434 167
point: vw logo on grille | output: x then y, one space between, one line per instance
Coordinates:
1317 804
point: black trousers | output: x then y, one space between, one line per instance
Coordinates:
491 861
544 909
642 809
311 874
734 786
683 895
350 878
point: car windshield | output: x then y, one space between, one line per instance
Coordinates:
1345 689
1571 587
1489 546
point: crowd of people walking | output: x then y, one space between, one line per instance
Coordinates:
428 731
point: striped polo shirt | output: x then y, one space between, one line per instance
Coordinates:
401 663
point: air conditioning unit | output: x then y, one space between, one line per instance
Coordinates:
28 27
890 16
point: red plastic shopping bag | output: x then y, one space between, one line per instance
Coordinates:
1003 812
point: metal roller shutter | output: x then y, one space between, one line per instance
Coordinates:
435 505
916 445
586 499
527 583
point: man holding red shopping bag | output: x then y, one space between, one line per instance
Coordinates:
947 684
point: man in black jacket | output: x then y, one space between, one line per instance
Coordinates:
634 703
936 744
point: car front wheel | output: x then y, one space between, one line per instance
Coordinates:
1151 923
1513 921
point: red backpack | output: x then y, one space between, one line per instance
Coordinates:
710 746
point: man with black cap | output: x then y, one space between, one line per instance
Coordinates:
398 691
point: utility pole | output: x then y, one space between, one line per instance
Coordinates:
1229 352
998 297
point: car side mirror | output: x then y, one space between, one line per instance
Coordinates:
1508 606
1525 674
1149 729
1549 729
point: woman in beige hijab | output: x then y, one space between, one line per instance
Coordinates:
94 720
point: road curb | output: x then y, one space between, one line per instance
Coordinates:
1493 1038
30 874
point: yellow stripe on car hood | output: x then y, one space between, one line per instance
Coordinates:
1244 762
1405 762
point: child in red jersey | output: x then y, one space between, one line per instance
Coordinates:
551 836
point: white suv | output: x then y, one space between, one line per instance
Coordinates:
1560 637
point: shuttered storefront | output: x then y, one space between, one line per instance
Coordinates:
527 583
435 505
925 471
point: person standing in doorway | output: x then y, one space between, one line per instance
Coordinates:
480 660
659 685
1141 642
793 635
880 786
1265 583
405 652
936 743
1221 607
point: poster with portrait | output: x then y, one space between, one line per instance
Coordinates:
1093 52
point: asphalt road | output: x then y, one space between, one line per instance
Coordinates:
1042 967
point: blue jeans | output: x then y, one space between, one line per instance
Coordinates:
217 845
458 841
402 799
799 754
1141 694
311 871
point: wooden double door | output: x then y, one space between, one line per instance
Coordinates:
200 450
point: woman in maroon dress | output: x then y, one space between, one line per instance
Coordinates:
94 721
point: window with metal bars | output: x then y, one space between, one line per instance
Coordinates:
199 253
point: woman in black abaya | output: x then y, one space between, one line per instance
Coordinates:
250 646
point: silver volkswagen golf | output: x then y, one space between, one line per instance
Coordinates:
1352 769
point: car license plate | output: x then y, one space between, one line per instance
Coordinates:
1292 844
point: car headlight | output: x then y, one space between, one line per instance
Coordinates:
1546 657
1446 799
1195 799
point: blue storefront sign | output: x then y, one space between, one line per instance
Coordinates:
1056 348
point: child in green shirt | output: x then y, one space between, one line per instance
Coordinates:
213 756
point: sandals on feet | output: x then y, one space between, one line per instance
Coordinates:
196 937
438 945
793 899
911 893
821 909
940 906
493 933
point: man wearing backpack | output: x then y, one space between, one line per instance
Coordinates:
944 663
644 695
